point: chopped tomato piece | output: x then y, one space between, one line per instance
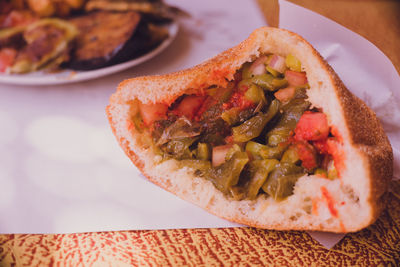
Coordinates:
7 57
285 94
296 78
219 154
152 112
307 154
18 18
312 126
189 106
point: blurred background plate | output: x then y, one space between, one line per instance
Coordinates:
72 76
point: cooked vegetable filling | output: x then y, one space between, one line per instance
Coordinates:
256 136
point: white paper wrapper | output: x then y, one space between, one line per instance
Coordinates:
363 68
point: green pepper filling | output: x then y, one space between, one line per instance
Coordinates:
256 136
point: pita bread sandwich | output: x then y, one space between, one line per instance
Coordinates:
264 134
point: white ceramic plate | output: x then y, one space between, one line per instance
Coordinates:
71 76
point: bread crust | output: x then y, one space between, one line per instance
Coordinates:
366 134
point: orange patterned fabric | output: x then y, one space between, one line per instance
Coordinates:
379 244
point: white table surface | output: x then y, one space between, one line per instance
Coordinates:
61 169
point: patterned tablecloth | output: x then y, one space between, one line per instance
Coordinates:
378 244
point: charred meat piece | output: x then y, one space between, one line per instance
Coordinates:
15 18
154 10
58 8
101 36
47 40
12 37
108 38
12 25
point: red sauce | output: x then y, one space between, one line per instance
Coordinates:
335 133
307 155
238 100
229 139
219 73
237 76
313 127
330 201
342 228
337 154
321 146
323 175
315 204
129 125
331 146
208 102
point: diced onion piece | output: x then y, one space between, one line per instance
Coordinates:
285 94
258 66
219 154
296 78
277 63
152 112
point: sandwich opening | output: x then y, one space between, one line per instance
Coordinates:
254 137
